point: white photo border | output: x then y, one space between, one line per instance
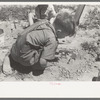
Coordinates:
49 89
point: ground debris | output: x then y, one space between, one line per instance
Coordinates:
76 58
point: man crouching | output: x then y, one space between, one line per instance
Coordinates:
37 44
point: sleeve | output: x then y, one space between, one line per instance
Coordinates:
30 18
52 10
50 49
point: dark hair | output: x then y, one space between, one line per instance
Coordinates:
65 21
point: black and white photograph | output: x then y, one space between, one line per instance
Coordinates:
49 42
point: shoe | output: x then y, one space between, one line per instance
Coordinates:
37 72
6 66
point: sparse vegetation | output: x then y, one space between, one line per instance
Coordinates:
92 18
76 59
14 12
90 47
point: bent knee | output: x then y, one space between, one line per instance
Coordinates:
43 62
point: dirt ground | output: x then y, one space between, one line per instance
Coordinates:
77 57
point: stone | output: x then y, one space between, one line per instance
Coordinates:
6 66
1 65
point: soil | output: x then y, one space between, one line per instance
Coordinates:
76 57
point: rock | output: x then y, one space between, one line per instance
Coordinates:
94 79
97 64
6 66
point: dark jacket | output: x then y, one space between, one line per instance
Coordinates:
40 42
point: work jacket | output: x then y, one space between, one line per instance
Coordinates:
39 42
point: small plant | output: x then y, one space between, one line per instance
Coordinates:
92 19
13 12
90 47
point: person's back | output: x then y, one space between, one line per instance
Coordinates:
35 39
39 45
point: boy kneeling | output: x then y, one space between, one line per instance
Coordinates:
38 43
